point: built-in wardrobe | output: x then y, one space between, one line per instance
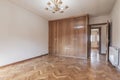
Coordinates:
69 37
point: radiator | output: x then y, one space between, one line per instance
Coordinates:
114 56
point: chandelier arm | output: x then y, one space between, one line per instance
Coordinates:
62 8
56 2
53 1
52 10
51 7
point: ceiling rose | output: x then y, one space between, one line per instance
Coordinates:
56 6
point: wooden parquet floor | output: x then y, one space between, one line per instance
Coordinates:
60 68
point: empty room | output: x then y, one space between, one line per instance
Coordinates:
59 40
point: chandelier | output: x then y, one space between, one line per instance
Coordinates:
56 6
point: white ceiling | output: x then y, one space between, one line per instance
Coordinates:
76 8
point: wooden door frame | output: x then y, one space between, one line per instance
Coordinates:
109 40
99 28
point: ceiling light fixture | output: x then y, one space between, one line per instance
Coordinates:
56 6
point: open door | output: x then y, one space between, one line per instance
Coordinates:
109 31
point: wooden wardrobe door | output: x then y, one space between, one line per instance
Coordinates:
52 37
80 37
68 37
65 38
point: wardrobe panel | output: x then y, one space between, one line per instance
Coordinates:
68 37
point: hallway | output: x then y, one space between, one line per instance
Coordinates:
60 68
96 56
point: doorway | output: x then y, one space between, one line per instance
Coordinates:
96 39
99 41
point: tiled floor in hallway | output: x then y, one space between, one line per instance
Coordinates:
59 68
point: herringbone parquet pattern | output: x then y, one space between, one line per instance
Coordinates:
59 68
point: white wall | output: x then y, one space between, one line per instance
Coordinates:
99 19
23 34
115 15
104 39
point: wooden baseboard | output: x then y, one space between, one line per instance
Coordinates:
103 53
82 58
22 61
94 47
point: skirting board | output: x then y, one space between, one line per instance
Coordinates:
118 68
83 58
23 61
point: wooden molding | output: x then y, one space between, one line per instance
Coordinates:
97 24
22 61
86 15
